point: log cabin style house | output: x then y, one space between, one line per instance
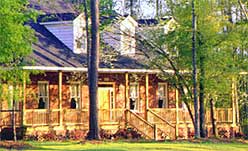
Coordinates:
130 94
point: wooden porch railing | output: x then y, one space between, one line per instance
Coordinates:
169 114
222 115
6 117
75 116
146 128
35 117
168 128
42 117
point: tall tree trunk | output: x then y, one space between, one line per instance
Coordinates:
93 71
212 117
14 120
157 9
201 97
194 76
131 8
87 31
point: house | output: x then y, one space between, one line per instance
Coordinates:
130 94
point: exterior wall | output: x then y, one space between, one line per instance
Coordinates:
79 35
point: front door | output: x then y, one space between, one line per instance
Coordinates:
105 103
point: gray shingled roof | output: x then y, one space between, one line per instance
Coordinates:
50 51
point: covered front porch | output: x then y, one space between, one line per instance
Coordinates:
58 100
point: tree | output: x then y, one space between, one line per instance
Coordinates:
16 40
194 75
93 70
216 52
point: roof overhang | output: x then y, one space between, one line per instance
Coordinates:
101 70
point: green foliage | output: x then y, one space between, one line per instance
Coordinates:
219 42
15 40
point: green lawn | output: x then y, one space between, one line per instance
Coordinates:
126 146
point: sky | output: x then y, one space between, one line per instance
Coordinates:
147 10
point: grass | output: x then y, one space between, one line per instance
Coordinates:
136 146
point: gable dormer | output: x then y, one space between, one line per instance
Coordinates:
127 40
69 29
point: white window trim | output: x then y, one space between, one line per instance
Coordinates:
137 107
165 97
79 103
47 104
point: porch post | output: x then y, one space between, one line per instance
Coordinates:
177 115
24 100
147 96
126 96
233 104
60 99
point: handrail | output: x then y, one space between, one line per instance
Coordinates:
161 118
152 126
140 118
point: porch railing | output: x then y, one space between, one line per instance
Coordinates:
222 115
6 117
35 117
41 117
75 116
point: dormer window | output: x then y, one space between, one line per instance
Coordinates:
70 32
128 42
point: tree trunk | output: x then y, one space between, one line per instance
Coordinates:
14 120
194 76
157 9
212 117
131 8
201 97
93 71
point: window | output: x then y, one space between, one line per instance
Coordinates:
75 99
43 95
134 97
162 95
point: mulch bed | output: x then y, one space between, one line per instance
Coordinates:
14 145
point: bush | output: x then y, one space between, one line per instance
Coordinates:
76 134
128 133
41 136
